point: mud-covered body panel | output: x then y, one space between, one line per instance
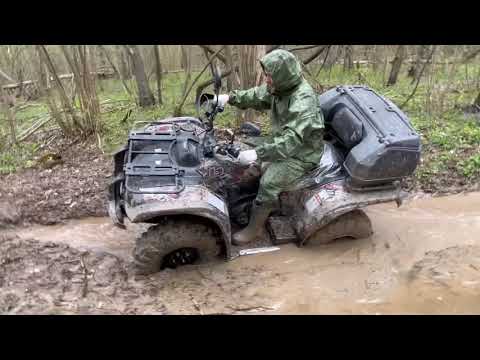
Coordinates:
316 208
194 200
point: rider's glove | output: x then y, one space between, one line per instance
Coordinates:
222 100
247 157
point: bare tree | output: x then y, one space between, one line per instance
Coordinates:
416 67
123 62
348 57
119 73
158 72
249 69
186 92
69 130
9 110
419 77
79 58
396 65
375 57
145 95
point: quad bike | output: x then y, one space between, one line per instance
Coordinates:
178 176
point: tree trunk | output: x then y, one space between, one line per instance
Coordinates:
415 69
123 62
145 95
375 57
229 65
187 66
348 57
158 71
248 70
396 65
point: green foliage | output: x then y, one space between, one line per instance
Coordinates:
16 157
471 166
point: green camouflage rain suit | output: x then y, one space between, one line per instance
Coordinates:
295 145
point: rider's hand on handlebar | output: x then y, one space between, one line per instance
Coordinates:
222 100
247 157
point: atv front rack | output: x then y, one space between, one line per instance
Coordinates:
148 170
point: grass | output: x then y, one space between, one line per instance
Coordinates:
451 141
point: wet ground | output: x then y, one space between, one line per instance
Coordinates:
424 258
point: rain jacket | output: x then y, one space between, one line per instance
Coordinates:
296 119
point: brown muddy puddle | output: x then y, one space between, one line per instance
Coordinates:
424 258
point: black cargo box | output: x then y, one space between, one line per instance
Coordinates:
381 145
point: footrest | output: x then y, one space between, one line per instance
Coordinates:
281 231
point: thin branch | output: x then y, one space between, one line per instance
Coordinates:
3 74
470 56
179 107
271 48
217 54
303 48
324 61
419 77
315 55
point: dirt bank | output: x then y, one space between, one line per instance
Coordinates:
70 187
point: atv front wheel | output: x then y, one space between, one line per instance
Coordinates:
175 243
354 224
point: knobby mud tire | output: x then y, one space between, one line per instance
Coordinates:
354 224
161 240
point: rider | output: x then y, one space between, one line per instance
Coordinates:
296 142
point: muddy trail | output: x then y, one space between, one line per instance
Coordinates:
424 258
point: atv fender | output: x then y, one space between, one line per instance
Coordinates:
325 203
193 200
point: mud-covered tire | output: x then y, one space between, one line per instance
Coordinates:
159 241
354 224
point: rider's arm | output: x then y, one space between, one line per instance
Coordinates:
285 145
257 98
305 122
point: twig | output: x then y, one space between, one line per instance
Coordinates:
261 308
196 305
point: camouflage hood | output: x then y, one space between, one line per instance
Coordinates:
285 70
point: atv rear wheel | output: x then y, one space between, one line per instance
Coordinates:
355 224
175 243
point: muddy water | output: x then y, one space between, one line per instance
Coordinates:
424 258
